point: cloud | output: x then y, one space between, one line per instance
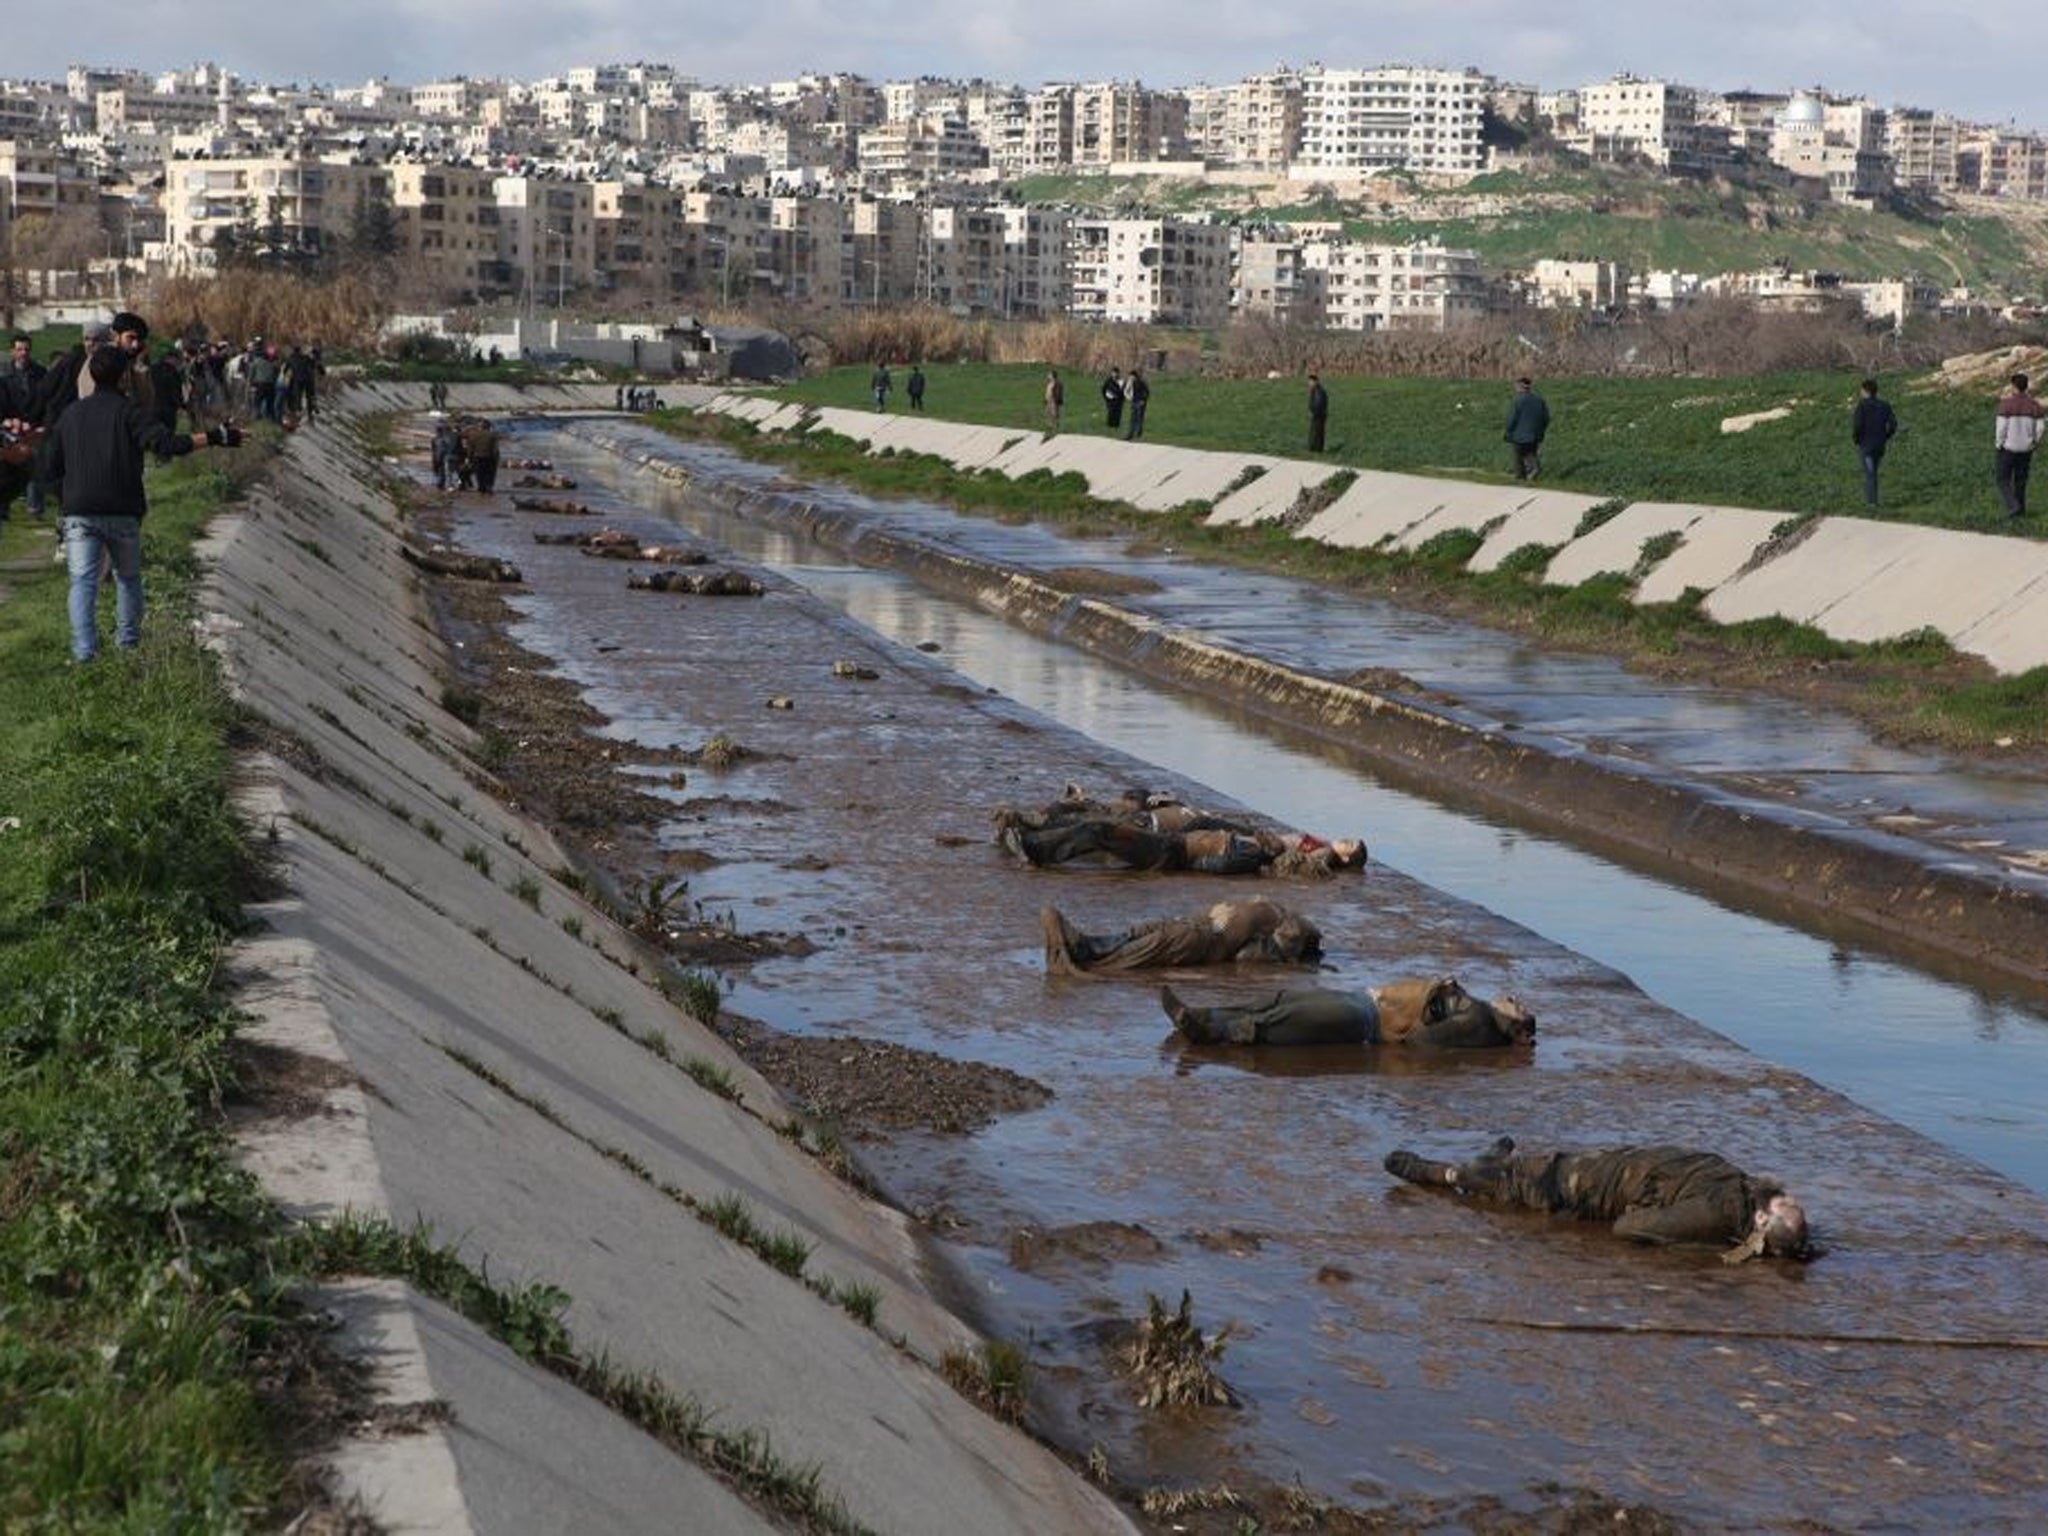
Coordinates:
1917 51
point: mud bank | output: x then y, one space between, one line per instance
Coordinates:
1857 878
483 1055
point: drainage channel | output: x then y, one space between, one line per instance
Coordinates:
1960 1062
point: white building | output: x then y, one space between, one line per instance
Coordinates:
1655 120
1398 287
1358 121
1837 143
1149 271
1560 284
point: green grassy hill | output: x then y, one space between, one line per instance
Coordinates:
1621 213
1642 439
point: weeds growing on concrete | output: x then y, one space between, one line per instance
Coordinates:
474 856
861 1301
528 1319
735 1218
696 993
711 1077
527 889
995 1374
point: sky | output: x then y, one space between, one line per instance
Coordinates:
1980 62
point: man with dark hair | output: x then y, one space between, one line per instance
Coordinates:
97 459
2018 432
1255 930
1438 1013
1318 413
1872 429
19 385
880 384
1139 395
1664 1195
913 387
480 453
1528 424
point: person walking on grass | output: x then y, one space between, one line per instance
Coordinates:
914 387
1872 428
881 384
2018 432
1318 413
1055 399
1528 422
1136 394
97 458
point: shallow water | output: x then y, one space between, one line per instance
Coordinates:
1375 1328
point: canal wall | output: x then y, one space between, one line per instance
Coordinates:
1854 579
457 1036
1795 859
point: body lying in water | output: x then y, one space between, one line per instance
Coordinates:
1667 1195
1440 1014
1255 930
1208 849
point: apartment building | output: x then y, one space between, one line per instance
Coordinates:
1558 284
805 250
546 237
1358 121
963 261
126 109
635 224
1254 125
937 146
1271 278
457 98
1149 271
905 99
725 242
884 244
307 201
42 181
438 213
1749 117
1628 118
2004 164
1116 124
1397 287
1924 147
1035 242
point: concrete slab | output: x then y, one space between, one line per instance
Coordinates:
858 425
1861 580
1545 517
1137 468
1375 508
1272 494
1715 542
1205 479
2012 636
525 1451
436 966
980 447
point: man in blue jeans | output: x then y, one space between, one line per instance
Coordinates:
97 459
1872 428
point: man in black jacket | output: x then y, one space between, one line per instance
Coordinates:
1318 413
1113 399
1437 1013
97 459
1663 1195
20 381
1871 429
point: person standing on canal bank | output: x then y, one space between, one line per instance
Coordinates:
96 458
1055 399
1113 399
1138 393
1318 413
2018 433
1872 428
1528 423
914 387
881 384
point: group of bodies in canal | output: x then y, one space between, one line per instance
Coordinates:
1653 1194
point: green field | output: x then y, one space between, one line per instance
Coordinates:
1638 439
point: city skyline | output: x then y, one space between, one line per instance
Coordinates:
1980 70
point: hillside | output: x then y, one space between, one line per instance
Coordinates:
1622 213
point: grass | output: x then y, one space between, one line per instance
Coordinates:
1634 439
141 1308
995 1374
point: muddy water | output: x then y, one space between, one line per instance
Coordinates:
1964 1063
1375 1340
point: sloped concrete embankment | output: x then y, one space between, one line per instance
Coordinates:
1851 578
467 1047
1798 861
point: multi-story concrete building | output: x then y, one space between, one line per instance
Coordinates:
806 250
1358 121
884 243
458 98
1254 125
546 235
1749 117
1120 124
1560 284
1628 118
725 239
42 181
1839 144
2004 164
1149 271
437 211
934 147
1034 274
1924 147
636 229
306 202
1271 277
1398 287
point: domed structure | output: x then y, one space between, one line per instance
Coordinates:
1804 110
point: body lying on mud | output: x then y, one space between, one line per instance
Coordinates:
1663 1195
1146 831
1439 1014
1227 932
